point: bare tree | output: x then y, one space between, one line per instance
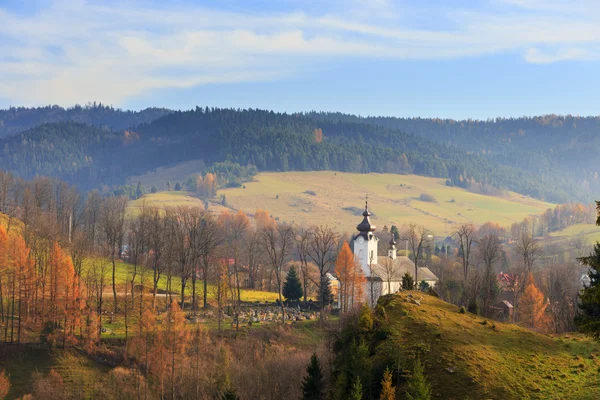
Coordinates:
322 250
529 249
209 240
489 251
302 245
465 235
112 221
278 242
390 271
418 238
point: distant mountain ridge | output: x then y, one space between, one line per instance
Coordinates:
18 119
91 155
560 148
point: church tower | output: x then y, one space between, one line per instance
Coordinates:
365 243
392 248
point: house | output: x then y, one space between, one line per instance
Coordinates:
384 273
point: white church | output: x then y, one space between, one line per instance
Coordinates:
384 273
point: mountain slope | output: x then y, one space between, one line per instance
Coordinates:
270 141
18 119
562 150
468 357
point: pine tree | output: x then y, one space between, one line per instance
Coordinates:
177 187
325 292
292 288
408 282
418 387
313 387
588 320
139 191
388 392
356 392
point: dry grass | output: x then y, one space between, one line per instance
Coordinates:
467 357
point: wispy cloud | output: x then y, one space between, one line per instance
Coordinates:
70 52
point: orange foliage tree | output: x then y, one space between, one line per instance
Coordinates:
263 219
351 278
532 306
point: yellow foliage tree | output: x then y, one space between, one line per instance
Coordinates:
532 306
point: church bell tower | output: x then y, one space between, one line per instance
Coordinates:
365 242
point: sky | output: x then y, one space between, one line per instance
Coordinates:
407 58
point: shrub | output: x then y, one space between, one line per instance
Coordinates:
311 192
427 197
462 310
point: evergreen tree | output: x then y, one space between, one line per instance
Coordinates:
408 282
588 320
139 192
325 292
313 387
177 187
418 387
356 392
154 189
395 232
388 392
292 288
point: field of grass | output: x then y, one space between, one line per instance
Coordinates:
590 233
124 272
468 357
162 200
394 199
79 373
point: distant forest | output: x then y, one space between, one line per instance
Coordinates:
550 158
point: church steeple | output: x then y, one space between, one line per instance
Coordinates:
392 249
365 242
365 227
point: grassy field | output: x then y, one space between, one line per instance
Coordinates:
468 357
394 199
124 272
590 233
78 372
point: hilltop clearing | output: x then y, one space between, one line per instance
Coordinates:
337 199
469 357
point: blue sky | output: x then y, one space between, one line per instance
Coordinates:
429 58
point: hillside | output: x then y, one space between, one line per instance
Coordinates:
92 156
468 357
18 119
394 200
563 147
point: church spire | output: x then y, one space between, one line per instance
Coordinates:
365 227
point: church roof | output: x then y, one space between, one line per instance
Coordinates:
399 267
365 227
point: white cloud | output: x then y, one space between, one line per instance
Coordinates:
71 52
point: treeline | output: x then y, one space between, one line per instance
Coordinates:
254 139
562 150
18 119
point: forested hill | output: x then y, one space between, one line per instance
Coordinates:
566 148
16 120
90 156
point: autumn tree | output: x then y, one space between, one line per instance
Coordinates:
278 243
112 222
465 236
4 385
529 250
489 252
532 306
418 238
176 338
322 251
351 278
388 391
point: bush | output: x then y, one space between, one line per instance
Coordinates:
427 197
462 310
234 185
311 192
473 307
